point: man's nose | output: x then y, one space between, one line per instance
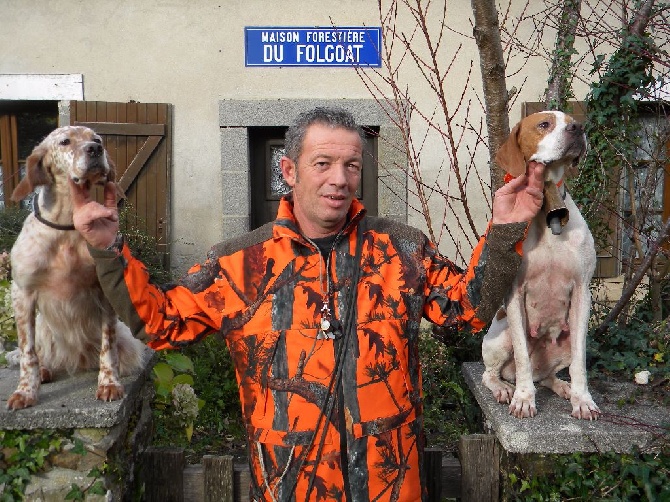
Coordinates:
338 174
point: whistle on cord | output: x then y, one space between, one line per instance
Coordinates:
554 207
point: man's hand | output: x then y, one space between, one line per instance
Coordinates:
97 223
520 199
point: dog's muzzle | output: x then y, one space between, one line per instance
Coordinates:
554 207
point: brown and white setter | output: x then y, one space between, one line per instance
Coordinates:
64 321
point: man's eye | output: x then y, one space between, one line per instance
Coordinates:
354 167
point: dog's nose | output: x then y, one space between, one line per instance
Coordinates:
94 150
575 127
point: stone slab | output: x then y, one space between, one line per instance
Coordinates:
554 430
70 402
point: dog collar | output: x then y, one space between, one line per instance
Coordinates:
508 177
40 218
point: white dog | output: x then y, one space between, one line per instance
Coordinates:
543 326
63 319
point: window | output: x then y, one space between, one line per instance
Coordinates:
646 198
23 124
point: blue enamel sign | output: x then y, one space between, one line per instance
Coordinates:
334 46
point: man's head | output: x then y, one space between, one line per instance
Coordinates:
332 117
324 157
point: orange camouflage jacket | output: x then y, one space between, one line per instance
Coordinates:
328 418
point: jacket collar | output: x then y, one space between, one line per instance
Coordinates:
286 225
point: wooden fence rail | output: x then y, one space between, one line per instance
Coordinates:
474 476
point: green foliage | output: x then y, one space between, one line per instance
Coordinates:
586 477
612 140
219 421
175 398
449 409
7 324
216 382
143 246
23 454
11 221
95 487
640 344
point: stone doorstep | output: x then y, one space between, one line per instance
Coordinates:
554 430
69 402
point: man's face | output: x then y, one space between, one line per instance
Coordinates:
325 179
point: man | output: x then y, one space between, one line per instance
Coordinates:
321 311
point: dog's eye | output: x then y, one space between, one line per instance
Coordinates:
97 140
543 125
64 142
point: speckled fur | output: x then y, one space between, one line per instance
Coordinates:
64 321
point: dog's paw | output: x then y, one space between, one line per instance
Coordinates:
20 400
523 404
501 390
560 387
109 392
504 394
584 408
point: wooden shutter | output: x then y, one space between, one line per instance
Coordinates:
138 139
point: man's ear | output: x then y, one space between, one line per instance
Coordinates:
35 175
289 170
509 156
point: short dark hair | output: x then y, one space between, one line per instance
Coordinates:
332 117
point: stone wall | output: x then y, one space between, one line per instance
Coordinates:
97 437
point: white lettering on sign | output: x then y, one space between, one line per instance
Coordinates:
273 53
346 37
280 36
328 53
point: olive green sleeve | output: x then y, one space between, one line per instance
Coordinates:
110 267
502 258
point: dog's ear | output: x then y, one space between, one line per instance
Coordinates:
509 156
111 176
35 175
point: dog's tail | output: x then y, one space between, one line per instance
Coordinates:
132 352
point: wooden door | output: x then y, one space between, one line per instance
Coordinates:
138 139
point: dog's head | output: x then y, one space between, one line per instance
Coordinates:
552 138
73 152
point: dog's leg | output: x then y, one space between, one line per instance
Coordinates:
523 400
583 405
109 386
25 394
496 353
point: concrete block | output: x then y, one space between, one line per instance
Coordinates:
554 430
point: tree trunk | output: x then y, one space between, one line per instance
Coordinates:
492 65
559 89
